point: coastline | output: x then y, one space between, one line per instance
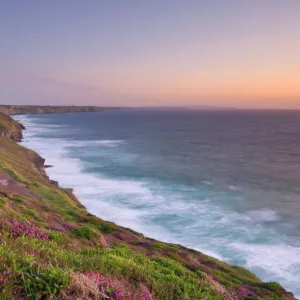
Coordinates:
50 109
97 202
82 180
136 240
101 211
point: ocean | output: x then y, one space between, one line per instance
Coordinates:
226 183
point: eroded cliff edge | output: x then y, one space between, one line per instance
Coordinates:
10 128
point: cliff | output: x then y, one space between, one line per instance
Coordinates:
10 128
32 109
52 248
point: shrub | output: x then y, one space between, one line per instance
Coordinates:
57 236
16 199
114 289
108 227
83 232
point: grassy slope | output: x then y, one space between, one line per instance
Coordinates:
6 122
57 250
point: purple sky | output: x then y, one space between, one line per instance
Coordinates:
152 52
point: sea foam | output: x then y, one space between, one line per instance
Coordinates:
265 215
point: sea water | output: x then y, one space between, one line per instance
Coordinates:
226 183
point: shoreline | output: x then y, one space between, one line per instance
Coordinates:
51 167
157 236
162 236
71 194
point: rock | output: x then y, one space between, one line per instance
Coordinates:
54 182
9 128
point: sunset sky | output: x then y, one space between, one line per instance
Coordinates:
151 52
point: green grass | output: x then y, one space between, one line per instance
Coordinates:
39 284
2 202
58 201
16 199
83 232
108 227
30 213
12 174
167 278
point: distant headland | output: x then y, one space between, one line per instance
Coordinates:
39 109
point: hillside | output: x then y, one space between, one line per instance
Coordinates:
38 109
52 248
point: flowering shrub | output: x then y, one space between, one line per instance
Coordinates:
6 281
107 286
4 276
142 296
17 228
113 290
243 291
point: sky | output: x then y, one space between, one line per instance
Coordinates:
224 53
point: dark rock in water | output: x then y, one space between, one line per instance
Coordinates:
21 126
54 182
38 161
48 166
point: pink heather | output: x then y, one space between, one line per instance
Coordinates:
113 291
18 228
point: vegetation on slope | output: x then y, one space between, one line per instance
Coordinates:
52 248
10 128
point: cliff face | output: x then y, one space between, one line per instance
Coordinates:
52 248
10 128
32 109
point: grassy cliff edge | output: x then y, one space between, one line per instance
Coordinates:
52 248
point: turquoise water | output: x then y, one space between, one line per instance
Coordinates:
226 183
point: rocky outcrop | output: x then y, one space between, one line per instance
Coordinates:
35 109
15 136
10 128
